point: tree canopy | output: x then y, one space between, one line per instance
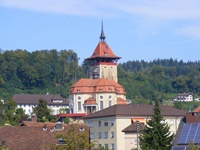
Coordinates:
43 112
54 71
13 115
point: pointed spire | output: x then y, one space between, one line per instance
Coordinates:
102 36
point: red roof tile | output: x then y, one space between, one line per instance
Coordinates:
39 124
96 85
90 101
32 138
197 109
121 101
104 51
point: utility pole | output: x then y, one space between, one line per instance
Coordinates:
138 129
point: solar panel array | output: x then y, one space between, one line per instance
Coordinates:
190 133
179 148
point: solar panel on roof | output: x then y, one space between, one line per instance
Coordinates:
179 148
197 135
190 133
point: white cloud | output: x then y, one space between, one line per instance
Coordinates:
154 15
169 9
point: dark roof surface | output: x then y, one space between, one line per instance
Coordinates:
135 110
133 127
33 99
184 94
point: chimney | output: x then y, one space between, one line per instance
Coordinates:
34 117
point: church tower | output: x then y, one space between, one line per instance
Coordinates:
103 62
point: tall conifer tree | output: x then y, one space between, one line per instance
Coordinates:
156 135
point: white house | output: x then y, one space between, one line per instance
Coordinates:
186 97
28 101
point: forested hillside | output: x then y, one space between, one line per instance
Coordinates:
38 72
55 71
161 78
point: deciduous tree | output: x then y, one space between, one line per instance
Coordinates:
42 111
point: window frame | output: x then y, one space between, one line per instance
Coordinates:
79 106
105 135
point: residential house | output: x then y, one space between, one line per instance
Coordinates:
36 135
101 90
186 97
188 131
110 125
28 101
131 134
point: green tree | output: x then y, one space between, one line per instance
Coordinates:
9 114
156 134
67 120
20 116
42 111
12 114
74 138
1 113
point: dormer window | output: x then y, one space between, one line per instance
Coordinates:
100 89
78 90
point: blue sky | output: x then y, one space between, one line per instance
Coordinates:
134 29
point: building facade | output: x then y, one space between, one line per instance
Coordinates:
186 97
28 101
108 125
101 90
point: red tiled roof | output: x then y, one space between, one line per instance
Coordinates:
96 85
133 110
197 109
33 138
103 51
90 101
72 115
39 124
33 99
121 101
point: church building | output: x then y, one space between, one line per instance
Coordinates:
102 89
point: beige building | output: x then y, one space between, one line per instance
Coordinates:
109 126
101 90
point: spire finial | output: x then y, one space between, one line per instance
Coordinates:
102 35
